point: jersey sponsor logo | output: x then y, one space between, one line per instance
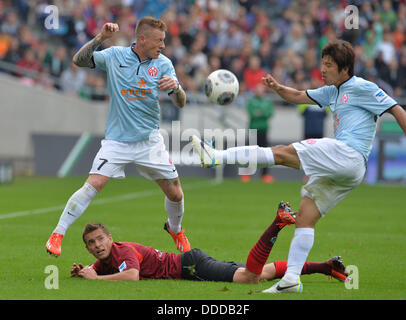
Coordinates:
344 98
380 96
153 71
122 267
142 83
140 93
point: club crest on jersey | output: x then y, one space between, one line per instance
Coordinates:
311 141
152 71
122 267
380 95
344 98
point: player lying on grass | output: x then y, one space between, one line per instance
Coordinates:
133 261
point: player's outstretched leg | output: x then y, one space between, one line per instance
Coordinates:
243 156
74 208
300 247
174 207
333 267
260 252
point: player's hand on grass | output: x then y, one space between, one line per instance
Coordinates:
74 271
108 30
167 83
88 273
270 82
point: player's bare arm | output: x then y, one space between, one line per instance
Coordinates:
83 58
400 115
130 274
178 96
287 93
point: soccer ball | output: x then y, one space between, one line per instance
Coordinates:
221 87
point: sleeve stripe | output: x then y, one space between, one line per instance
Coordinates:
388 109
313 99
94 64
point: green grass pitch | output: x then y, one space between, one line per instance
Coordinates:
367 229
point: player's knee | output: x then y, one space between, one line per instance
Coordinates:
251 277
176 196
303 222
307 218
97 181
286 156
279 153
243 275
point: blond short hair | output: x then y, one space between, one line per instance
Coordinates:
149 22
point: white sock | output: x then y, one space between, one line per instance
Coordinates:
246 155
300 247
75 206
175 214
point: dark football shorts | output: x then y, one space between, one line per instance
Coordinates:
198 265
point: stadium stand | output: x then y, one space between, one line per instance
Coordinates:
204 35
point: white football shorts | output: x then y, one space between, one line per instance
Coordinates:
150 157
333 169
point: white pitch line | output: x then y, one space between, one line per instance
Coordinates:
124 197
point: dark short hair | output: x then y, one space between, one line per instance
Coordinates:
149 22
342 53
90 227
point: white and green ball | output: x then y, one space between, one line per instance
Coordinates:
221 87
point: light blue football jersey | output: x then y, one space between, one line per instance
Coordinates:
355 105
134 111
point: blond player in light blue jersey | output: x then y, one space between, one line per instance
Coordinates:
135 76
334 166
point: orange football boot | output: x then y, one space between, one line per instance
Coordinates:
54 243
285 214
181 242
337 269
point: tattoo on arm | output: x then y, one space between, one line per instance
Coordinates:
83 58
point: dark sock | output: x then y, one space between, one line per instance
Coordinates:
308 268
260 252
316 267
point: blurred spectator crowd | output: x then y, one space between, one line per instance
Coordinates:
248 37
